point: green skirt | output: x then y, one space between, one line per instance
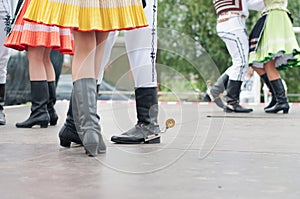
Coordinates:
278 41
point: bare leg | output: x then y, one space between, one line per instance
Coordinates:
84 57
48 66
271 71
37 70
259 71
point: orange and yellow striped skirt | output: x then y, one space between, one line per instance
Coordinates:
25 33
89 15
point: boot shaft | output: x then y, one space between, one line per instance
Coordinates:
2 95
279 91
233 91
84 105
147 105
52 94
39 96
86 120
267 82
220 85
51 103
271 89
233 98
70 120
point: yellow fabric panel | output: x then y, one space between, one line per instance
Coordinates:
87 18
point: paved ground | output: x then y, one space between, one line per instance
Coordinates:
208 154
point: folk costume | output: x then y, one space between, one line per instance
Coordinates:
82 15
5 20
268 42
141 45
88 16
26 34
231 29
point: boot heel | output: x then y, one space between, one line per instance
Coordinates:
286 111
153 141
65 143
53 121
91 149
91 143
44 124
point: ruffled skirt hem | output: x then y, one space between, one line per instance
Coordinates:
277 43
25 34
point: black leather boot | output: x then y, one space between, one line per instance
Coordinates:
232 98
2 98
147 129
273 100
50 106
39 99
68 132
84 107
281 98
217 89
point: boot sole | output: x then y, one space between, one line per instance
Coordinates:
140 141
285 111
42 125
234 111
153 141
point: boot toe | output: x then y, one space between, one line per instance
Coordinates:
237 109
140 133
219 102
91 143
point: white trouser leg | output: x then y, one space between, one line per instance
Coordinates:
4 52
111 39
139 45
233 33
5 10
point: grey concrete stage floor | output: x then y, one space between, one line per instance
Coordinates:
208 154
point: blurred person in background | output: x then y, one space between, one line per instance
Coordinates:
5 21
38 40
273 47
231 28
